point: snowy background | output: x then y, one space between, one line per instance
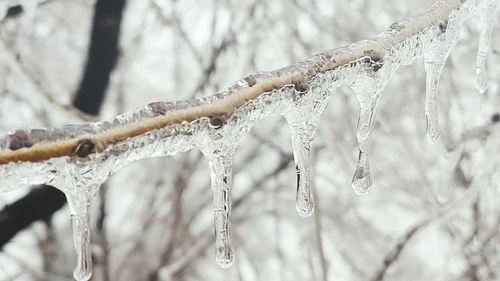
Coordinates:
433 212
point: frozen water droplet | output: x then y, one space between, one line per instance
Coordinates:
487 20
361 182
433 71
79 205
221 177
301 142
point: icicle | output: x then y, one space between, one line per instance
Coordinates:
368 100
433 71
79 205
219 146
221 174
487 21
303 120
301 142
434 60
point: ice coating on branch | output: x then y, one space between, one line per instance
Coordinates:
298 92
487 13
434 59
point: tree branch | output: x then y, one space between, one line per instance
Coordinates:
379 57
102 56
39 204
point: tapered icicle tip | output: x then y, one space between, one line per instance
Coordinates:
361 181
79 205
224 253
80 275
304 202
305 207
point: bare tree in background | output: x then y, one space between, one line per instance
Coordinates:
432 214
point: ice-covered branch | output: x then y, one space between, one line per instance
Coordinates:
78 158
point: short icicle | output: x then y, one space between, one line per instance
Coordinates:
79 205
433 71
301 143
487 21
368 100
221 178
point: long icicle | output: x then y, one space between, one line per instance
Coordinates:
301 143
79 205
368 100
487 21
221 177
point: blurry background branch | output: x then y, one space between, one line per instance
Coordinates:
141 214
43 201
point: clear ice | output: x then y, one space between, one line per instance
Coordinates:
218 145
487 14
301 143
221 176
368 93
303 117
433 71
301 102
361 181
79 206
434 60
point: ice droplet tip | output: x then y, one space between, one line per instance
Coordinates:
226 262
481 88
82 275
433 138
361 190
361 185
305 211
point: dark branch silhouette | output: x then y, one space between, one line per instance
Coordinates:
43 201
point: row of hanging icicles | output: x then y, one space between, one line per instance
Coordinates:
221 171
